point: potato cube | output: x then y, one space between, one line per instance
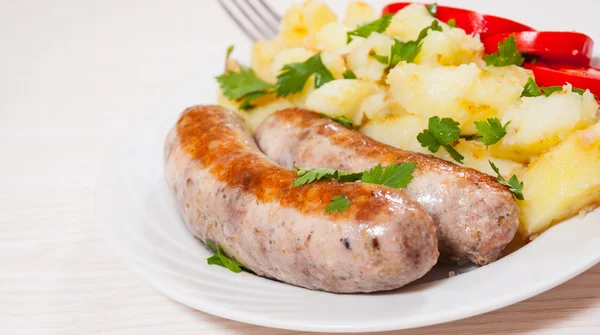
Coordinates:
450 47
398 131
408 22
301 23
333 38
537 124
261 58
561 182
365 66
433 91
359 13
340 97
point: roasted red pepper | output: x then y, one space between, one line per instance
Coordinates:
558 75
549 46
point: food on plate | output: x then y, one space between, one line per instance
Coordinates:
562 182
476 217
482 91
327 235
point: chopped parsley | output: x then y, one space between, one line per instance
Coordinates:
338 204
507 54
394 175
491 131
441 133
343 120
229 51
451 23
349 74
513 183
293 76
531 89
432 9
219 258
377 26
405 51
244 86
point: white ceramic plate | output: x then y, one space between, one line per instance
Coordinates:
135 209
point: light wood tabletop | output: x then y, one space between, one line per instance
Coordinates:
73 74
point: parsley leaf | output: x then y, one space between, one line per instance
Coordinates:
377 26
293 76
311 175
507 54
243 85
531 89
394 175
381 59
441 133
338 204
513 184
491 131
349 74
343 120
451 23
229 51
432 9
405 51
219 258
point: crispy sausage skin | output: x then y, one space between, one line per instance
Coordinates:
475 215
230 192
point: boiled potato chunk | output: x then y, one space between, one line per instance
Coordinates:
365 66
261 58
340 97
477 157
255 116
496 89
398 131
450 47
428 91
359 13
537 124
561 182
333 38
408 22
334 63
301 22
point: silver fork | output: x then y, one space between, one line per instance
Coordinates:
254 17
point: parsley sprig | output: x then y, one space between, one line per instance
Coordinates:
349 74
393 175
507 54
513 183
377 26
406 51
441 133
432 9
491 131
293 76
219 258
531 89
244 86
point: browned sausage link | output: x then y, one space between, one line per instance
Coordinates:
230 192
475 215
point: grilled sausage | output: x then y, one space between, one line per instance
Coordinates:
231 193
475 215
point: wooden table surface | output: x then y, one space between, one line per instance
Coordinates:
73 74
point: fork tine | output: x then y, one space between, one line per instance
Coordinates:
257 25
273 26
238 22
270 10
